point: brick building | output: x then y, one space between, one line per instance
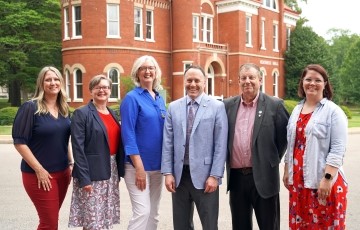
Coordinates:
106 36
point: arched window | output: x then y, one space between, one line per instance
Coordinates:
275 84
68 83
210 81
262 87
78 85
114 75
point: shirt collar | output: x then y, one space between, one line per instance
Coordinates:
198 99
253 102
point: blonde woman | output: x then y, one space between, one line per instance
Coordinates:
41 132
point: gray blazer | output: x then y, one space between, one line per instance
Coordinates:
268 141
207 144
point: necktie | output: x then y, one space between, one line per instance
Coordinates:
189 125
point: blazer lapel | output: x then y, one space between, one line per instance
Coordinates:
98 119
183 115
233 110
260 112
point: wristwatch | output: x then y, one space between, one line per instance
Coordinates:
328 176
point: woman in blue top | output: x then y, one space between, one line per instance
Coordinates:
142 120
41 133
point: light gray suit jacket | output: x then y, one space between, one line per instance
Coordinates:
207 144
268 141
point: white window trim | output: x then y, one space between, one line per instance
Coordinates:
263 40
77 99
210 77
276 84
204 30
66 23
248 32
288 34
68 84
118 84
263 84
152 39
275 37
74 36
196 28
141 35
108 20
271 6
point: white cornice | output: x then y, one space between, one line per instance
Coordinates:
290 19
238 5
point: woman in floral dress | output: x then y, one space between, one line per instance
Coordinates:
313 174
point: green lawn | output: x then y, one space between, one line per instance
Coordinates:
355 120
5 130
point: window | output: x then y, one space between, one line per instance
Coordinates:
207 28
262 87
113 23
150 24
275 38
66 23
68 83
78 84
263 47
76 21
248 31
275 84
138 23
210 81
288 33
113 74
272 4
195 28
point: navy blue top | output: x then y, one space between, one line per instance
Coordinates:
46 136
142 123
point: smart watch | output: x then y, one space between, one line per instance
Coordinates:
328 176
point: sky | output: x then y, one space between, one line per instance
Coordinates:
327 14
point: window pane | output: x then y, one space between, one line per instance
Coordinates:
112 12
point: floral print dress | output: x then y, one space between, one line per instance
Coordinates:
306 211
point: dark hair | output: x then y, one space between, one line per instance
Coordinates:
195 67
328 91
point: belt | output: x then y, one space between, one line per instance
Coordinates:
244 171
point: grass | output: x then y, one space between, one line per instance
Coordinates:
5 130
355 120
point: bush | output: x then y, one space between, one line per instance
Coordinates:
290 105
346 111
116 109
7 115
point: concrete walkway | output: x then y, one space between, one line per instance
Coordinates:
18 213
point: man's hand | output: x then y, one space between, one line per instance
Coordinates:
211 184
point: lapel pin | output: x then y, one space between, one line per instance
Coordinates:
260 113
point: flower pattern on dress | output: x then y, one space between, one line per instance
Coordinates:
306 211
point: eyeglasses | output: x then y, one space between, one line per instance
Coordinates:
145 68
104 88
316 81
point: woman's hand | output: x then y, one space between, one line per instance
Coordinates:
324 189
43 179
140 179
286 177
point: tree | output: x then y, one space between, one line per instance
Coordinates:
350 74
30 37
340 43
306 47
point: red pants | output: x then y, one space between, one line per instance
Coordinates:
47 203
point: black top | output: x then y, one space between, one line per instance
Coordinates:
46 136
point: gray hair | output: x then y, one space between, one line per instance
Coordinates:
135 70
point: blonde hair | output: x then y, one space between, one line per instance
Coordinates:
61 100
135 70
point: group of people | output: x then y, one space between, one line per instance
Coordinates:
186 147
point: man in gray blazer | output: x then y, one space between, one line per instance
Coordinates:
194 153
256 144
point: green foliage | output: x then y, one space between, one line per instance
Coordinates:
349 74
30 38
7 115
126 83
116 109
346 111
290 105
306 47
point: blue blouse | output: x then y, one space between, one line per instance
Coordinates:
142 123
46 136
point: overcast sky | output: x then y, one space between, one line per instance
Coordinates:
327 14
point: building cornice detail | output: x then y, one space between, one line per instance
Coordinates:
238 5
154 3
256 55
124 48
291 19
